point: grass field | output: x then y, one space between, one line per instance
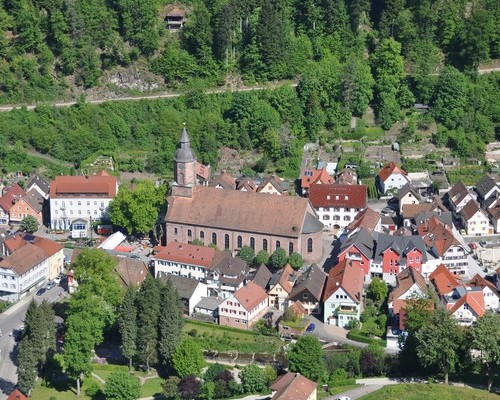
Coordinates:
429 392
217 338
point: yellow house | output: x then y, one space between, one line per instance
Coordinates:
280 287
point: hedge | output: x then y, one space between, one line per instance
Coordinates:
358 337
222 328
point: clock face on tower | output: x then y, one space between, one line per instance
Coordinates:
181 167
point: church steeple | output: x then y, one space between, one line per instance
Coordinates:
184 167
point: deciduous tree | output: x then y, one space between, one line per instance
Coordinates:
486 339
29 224
188 359
278 259
252 379
121 385
306 357
246 254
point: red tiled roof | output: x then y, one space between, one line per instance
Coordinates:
225 180
50 247
390 169
478 281
475 300
101 185
131 271
292 386
347 177
367 219
24 259
437 235
348 276
11 194
250 295
405 280
17 395
203 170
444 280
187 253
351 196
299 309
315 176
287 278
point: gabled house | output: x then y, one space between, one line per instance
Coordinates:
494 216
30 204
40 184
246 184
190 291
343 296
458 196
444 281
244 307
395 253
391 177
389 223
226 275
17 395
223 181
203 173
337 205
358 249
10 196
466 304
308 289
475 220
280 287
208 307
314 177
272 184
366 219
175 18
293 386
262 277
132 272
490 293
487 188
410 284
347 176
408 195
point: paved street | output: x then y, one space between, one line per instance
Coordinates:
11 319
369 385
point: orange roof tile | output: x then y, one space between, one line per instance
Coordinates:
390 169
292 386
443 280
478 281
367 219
348 276
17 395
475 300
10 195
404 281
250 295
101 185
187 253
315 176
335 195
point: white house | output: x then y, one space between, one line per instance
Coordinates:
23 271
79 200
490 292
458 196
466 304
391 177
190 291
408 195
343 298
475 220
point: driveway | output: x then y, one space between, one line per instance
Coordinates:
330 333
369 385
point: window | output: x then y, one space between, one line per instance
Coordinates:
309 245
278 244
290 248
79 203
240 242
264 244
252 243
226 241
202 235
190 233
175 231
214 238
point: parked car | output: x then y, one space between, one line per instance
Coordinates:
41 291
311 327
50 285
473 246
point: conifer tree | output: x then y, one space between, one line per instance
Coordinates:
128 324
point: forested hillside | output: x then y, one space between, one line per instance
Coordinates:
347 55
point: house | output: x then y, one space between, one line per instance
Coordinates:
208 307
29 204
132 272
246 184
458 196
358 249
273 184
190 291
408 195
391 177
308 289
466 304
368 220
337 205
10 196
395 253
389 223
231 219
203 173
420 181
490 293
347 176
475 220
343 296
22 272
244 307
280 287
175 18
223 181
262 277
487 188
293 386
410 284
494 216
40 184
444 281
184 259
79 200
226 275
314 177
17 395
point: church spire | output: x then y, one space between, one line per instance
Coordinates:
184 167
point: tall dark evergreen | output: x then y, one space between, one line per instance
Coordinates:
127 322
27 362
170 323
148 308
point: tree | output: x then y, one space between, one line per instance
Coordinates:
289 315
148 309
29 224
296 260
439 342
270 374
27 365
208 391
213 372
136 208
278 259
377 291
246 254
188 358
486 339
306 357
252 379
120 385
357 85
171 388
127 323
262 257
372 360
189 387
170 323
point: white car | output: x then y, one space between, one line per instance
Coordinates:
343 398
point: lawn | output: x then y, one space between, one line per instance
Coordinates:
219 338
422 391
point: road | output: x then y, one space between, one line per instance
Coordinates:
11 319
369 385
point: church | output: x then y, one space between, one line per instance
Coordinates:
231 219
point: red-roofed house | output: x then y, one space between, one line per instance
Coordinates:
184 259
10 196
17 395
466 304
293 386
243 308
203 173
490 292
74 200
444 281
314 177
391 177
343 298
338 205
366 219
